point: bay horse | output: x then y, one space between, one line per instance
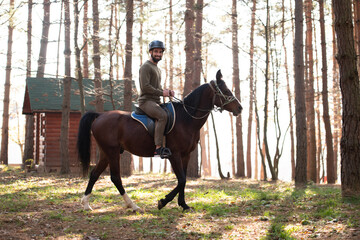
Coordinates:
116 131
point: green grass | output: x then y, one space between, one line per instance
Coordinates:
222 209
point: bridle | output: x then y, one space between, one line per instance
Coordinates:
218 92
224 100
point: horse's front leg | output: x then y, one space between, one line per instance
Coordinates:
181 197
178 169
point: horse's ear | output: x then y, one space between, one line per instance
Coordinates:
218 75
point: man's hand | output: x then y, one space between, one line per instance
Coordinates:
168 93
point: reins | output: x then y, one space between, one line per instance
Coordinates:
217 92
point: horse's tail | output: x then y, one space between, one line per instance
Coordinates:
84 139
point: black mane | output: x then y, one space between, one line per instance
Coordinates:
191 102
193 98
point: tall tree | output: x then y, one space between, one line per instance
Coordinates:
42 63
193 168
65 112
99 102
189 46
198 67
240 164
292 141
272 163
78 69
350 91
336 97
357 29
300 108
141 33
251 85
6 108
85 54
29 124
310 111
125 163
328 135
171 46
111 51
44 40
263 174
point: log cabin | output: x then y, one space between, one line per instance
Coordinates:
43 99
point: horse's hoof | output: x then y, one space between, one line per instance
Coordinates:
160 204
188 209
85 202
88 208
138 210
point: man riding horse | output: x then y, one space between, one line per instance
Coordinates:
150 92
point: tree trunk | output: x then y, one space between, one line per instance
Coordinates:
99 101
328 135
263 175
194 162
233 165
29 125
85 54
349 83
292 141
189 75
217 151
59 40
357 29
171 47
300 109
78 70
126 159
189 46
41 65
111 51
64 135
240 170
5 122
310 111
336 98
251 85
274 175
204 160
44 40
319 151
256 157
197 44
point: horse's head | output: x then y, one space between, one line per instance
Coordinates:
223 98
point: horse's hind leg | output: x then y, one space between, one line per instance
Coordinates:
114 159
94 176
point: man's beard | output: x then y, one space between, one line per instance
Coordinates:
156 60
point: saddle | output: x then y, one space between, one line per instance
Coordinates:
149 123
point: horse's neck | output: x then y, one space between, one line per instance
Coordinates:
204 104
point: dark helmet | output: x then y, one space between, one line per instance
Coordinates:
156 44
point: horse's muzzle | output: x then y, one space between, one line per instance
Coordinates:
237 111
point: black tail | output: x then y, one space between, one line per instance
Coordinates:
84 139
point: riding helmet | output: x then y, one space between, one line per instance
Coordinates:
156 44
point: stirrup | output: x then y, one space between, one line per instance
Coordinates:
162 152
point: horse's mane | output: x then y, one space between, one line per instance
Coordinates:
191 101
193 98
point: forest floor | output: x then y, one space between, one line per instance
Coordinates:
43 206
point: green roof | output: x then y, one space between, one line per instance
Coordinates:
45 94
